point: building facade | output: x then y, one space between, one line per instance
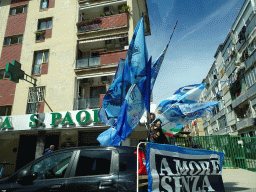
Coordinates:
72 49
232 79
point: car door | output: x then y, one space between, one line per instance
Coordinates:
94 171
51 173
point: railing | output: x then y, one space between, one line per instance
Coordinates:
87 62
239 151
246 122
240 99
90 2
87 103
112 21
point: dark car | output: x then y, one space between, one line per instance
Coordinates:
81 169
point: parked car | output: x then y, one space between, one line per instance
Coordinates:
80 169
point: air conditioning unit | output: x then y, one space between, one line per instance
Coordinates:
108 10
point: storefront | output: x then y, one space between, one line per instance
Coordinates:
25 137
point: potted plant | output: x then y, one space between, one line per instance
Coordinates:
89 22
126 9
102 15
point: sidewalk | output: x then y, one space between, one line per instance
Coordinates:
239 180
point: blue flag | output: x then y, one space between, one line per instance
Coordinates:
132 71
183 113
186 94
125 100
156 67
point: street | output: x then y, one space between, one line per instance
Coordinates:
239 180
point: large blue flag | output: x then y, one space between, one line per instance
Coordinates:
119 103
132 71
129 116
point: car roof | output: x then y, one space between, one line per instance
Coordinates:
120 149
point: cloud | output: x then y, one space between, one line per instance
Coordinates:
220 13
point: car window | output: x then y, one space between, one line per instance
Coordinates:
93 163
127 162
52 167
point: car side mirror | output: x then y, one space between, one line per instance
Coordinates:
26 177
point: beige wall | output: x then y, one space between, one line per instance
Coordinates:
60 80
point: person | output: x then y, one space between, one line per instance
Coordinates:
158 134
49 150
152 117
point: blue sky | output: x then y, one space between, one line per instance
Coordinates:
202 26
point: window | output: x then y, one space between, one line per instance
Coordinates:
13 40
3 74
51 167
40 58
18 10
250 77
31 98
44 4
222 122
127 162
45 24
5 110
97 163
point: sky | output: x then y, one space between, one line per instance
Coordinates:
202 26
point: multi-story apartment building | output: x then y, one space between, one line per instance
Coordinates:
72 48
232 79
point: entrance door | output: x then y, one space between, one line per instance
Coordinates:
52 139
26 151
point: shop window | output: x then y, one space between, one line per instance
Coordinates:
5 110
97 163
32 96
40 58
13 40
18 10
3 74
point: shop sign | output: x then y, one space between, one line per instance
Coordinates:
81 117
6 123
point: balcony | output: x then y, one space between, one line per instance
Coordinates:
91 2
103 23
251 60
103 59
87 62
240 99
246 122
88 103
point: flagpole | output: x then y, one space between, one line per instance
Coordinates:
148 112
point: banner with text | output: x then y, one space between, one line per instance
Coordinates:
172 168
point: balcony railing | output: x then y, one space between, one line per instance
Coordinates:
87 62
246 122
89 2
102 23
103 59
240 99
87 103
